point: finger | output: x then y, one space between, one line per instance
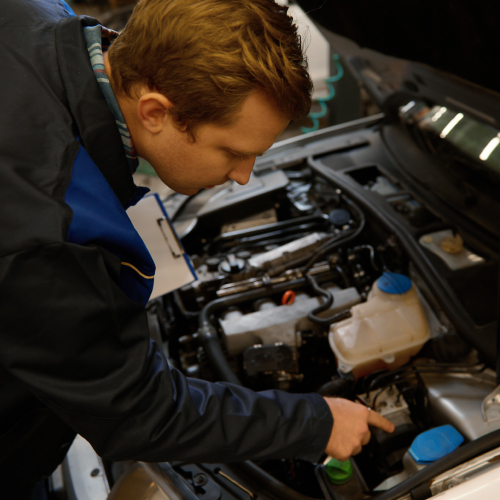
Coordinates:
379 421
356 450
366 438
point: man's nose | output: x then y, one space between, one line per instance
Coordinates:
241 174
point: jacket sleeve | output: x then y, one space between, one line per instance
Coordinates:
83 348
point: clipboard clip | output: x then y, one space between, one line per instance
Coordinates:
170 237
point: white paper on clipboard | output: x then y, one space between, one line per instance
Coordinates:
173 265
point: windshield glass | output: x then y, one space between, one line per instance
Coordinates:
449 133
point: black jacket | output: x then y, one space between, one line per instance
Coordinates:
75 354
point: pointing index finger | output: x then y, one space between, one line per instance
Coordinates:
379 421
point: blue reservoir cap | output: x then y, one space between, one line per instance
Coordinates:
394 283
339 216
435 443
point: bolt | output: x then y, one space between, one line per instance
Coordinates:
95 472
200 479
451 483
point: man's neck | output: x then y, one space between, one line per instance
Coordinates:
127 105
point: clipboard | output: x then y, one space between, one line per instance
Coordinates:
174 268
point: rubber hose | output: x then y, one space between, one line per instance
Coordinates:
320 291
312 316
335 387
268 483
182 309
457 457
328 247
341 316
216 357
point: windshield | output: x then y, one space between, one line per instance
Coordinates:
449 134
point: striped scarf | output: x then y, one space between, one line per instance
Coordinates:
99 39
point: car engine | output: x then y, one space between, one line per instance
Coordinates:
301 289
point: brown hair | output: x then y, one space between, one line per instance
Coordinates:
206 56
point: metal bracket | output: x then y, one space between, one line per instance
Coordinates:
170 237
490 407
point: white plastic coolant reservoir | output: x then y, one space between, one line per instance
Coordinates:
383 332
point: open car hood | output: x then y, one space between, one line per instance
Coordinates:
439 51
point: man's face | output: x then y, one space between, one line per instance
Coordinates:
219 153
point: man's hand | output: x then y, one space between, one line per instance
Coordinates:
350 427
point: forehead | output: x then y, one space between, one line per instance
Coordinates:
255 128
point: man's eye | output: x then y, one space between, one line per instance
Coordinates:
239 157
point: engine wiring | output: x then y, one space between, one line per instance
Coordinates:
406 371
336 241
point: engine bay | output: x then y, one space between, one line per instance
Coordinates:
302 288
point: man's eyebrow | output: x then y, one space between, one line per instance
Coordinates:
243 153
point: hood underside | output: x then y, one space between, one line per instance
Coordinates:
460 37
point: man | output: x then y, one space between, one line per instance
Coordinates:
199 88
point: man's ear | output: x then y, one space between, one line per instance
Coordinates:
152 111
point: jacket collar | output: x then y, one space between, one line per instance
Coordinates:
92 117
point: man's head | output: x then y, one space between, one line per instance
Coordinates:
199 65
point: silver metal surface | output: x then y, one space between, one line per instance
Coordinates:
254 283
457 399
251 284
491 406
294 150
466 471
386 402
462 473
84 470
282 323
290 251
148 481
56 484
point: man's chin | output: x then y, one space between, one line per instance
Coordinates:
192 191
186 191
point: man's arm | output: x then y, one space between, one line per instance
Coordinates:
83 348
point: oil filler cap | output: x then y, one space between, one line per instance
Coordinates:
435 443
339 472
394 283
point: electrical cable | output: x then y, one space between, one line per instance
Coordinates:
307 222
343 275
338 239
372 254
427 368
335 240
388 386
182 309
